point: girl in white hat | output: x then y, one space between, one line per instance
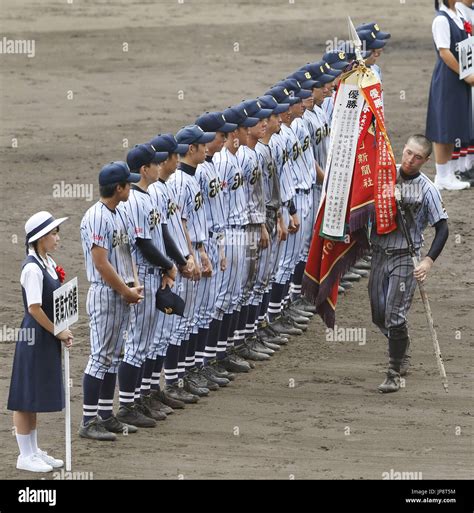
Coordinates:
37 384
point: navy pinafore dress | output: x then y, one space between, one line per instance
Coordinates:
37 381
449 105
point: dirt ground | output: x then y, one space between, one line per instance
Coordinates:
181 61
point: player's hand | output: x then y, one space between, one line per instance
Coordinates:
171 273
470 80
206 266
223 263
66 337
264 238
423 269
188 270
282 230
133 295
294 225
167 281
196 273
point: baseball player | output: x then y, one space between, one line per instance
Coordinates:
154 269
205 308
106 238
162 196
190 203
392 280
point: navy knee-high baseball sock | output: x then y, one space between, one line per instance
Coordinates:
91 388
148 367
202 335
239 333
223 336
262 313
183 351
211 343
171 364
106 397
191 352
127 376
156 374
286 294
276 297
297 280
251 318
138 384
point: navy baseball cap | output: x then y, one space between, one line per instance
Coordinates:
304 78
194 134
337 60
238 115
255 110
317 70
282 95
215 122
349 49
373 27
168 143
117 172
371 41
269 102
168 302
143 155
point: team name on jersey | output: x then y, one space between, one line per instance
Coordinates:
296 150
306 143
238 181
270 169
198 201
154 218
172 208
321 132
119 238
255 175
215 187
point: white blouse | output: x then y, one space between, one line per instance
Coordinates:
32 278
440 27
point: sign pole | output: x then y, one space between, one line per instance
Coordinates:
68 407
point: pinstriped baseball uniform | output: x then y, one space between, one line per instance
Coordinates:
283 166
206 289
229 286
146 218
328 107
391 282
108 311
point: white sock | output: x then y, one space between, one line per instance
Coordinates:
34 440
24 444
443 170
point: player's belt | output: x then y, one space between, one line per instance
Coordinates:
237 226
302 191
390 252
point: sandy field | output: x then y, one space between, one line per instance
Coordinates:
313 411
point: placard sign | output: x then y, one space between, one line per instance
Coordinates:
66 302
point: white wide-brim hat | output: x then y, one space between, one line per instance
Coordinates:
40 224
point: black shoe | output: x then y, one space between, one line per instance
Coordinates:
349 276
231 364
207 383
465 176
143 405
288 319
284 328
96 431
178 393
208 373
270 345
132 415
391 383
220 371
114 425
248 353
363 264
258 346
176 404
268 334
361 272
299 312
157 404
346 285
191 387
341 290
197 379
300 319
303 304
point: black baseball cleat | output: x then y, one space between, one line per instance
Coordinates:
300 311
289 319
391 383
269 335
341 289
157 404
95 431
257 345
268 344
303 304
465 176
167 400
114 425
361 272
248 353
363 264
191 387
143 405
219 370
211 377
178 393
205 382
350 277
132 415
346 285
283 327
231 364
293 314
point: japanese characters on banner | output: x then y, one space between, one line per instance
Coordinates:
66 302
344 136
466 57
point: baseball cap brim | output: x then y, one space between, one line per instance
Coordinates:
206 137
303 94
383 35
134 177
281 107
249 122
308 84
339 65
262 113
376 44
160 156
228 127
293 100
182 148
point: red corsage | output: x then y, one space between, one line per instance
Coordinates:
468 27
61 273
